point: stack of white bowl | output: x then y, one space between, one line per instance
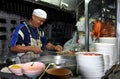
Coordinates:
106 49
91 65
111 40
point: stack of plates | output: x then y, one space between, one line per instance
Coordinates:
91 64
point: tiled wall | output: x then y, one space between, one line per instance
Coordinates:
7 24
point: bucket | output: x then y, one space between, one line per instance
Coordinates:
59 73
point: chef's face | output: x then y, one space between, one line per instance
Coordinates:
37 21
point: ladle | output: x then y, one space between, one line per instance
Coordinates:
46 69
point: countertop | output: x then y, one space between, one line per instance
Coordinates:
12 76
109 75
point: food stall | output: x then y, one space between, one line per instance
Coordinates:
91 13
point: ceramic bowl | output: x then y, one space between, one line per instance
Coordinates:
16 69
33 69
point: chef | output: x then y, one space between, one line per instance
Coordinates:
27 40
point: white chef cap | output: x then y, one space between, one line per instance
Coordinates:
40 13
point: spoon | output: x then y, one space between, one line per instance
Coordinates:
32 64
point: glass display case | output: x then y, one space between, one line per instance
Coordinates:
97 12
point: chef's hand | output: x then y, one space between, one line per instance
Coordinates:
50 46
36 50
58 48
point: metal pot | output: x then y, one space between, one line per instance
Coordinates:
60 61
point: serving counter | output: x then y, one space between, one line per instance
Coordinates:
11 76
113 73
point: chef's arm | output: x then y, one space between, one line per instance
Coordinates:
20 48
50 46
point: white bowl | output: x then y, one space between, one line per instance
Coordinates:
33 69
91 77
107 48
88 59
32 75
108 40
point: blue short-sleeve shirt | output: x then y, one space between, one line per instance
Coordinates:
21 35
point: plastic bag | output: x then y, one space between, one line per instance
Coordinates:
72 43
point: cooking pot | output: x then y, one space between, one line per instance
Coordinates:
59 73
61 61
